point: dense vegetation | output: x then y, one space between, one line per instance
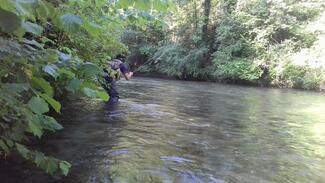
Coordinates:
50 50
261 42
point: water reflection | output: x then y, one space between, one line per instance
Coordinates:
240 134
172 131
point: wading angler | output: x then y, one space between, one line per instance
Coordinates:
115 69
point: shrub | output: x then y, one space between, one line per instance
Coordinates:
297 76
239 70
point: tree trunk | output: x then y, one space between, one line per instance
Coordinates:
195 16
206 14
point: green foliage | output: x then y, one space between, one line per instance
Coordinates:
42 84
102 95
90 93
231 41
49 164
35 73
142 43
32 28
25 98
54 104
38 105
65 166
302 77
248 41
71 22
176 60
239 70
9 22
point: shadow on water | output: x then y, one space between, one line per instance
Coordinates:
172 131
90 127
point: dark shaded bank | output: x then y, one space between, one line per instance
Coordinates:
155 75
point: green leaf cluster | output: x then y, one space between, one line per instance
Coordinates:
49 51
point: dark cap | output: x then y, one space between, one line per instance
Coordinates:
120 56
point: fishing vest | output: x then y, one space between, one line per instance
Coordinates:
114 68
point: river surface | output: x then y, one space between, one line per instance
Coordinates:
190 132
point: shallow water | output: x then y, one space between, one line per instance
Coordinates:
174 131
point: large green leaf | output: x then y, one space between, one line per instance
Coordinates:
4 147
25 8
39 157
43 163
65 166
9 142
51 166
89 70
50 123
103 95
22 8
143 4
32 28
41 83
67 73
7 5
90 85
38 105
9 22
51 70
33 43
45 10
73 85
89 92
23 151
92 28
55 104
71 22
35 127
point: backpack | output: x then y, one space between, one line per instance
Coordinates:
113 71
115 64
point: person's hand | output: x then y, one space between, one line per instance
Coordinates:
128 75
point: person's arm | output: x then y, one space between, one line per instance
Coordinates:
127 74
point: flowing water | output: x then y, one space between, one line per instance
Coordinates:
184 132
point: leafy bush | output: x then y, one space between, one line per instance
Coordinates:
142 42
302 77
175 60
239 70
267 33
231 40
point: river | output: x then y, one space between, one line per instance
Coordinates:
184 132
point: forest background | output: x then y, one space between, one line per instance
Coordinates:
260 42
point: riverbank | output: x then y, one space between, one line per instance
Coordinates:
230 82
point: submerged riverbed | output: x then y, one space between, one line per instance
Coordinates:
176 131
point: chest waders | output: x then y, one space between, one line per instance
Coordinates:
111 75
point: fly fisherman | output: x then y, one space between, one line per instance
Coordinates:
115 68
